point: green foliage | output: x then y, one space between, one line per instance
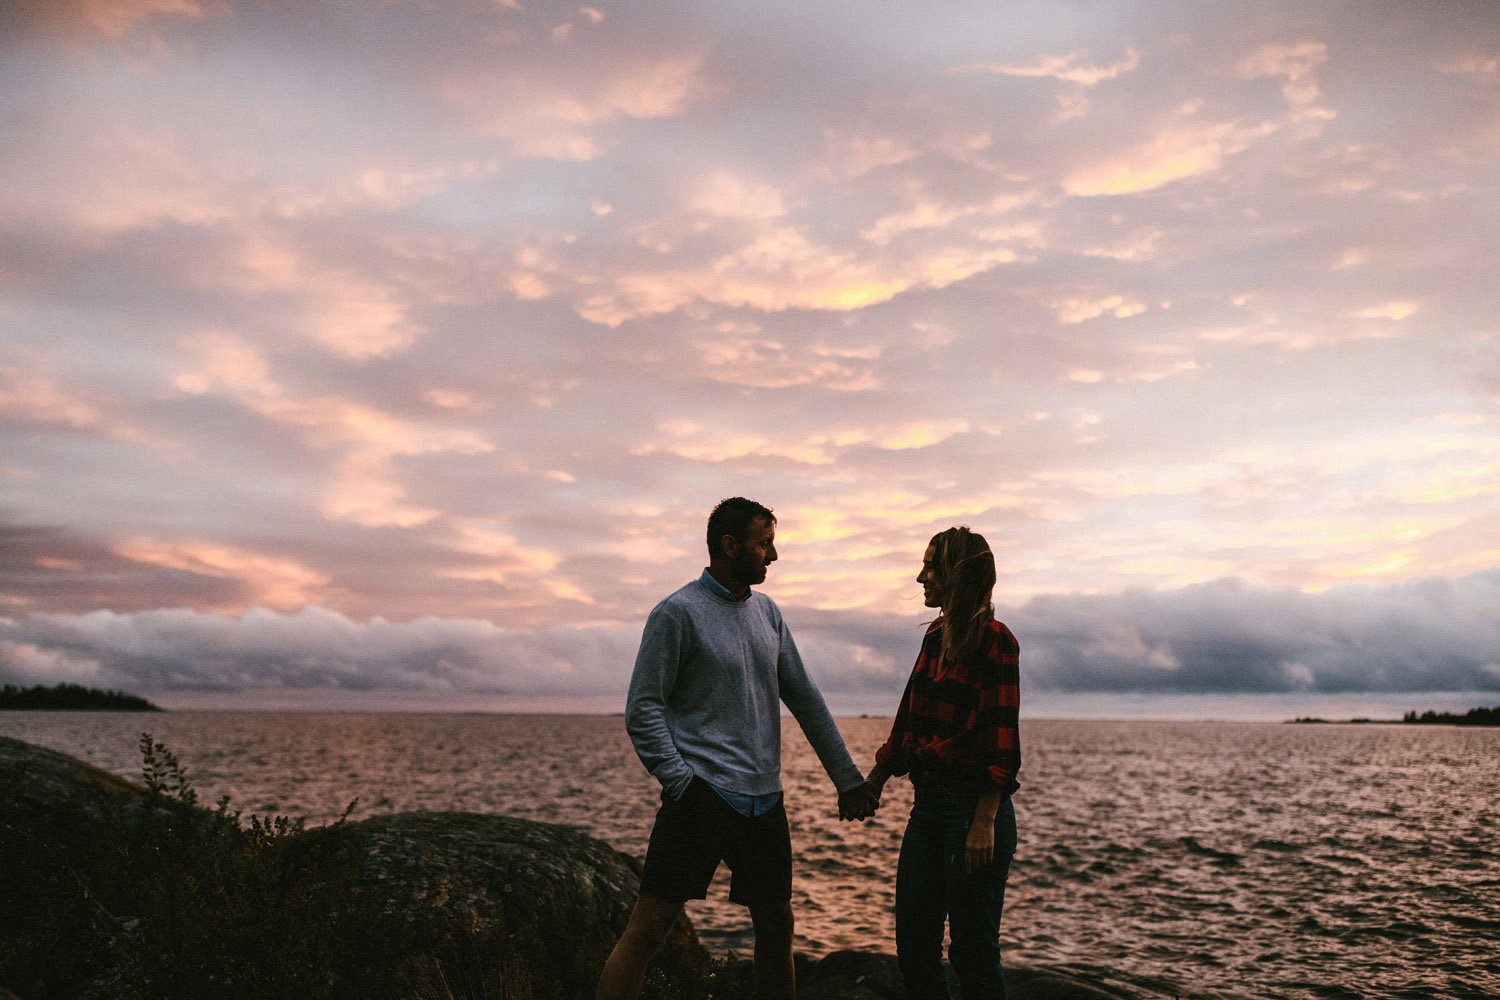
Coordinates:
223 908
173 901
721 978
166 782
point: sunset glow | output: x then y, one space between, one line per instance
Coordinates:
441 328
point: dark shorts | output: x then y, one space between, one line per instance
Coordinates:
694 833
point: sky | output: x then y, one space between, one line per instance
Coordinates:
394 354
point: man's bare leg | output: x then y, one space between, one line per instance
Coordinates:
775 973
625 969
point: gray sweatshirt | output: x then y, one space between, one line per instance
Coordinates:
705 696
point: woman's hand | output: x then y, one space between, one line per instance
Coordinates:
858 803
979 846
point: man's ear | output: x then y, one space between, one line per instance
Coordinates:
728 545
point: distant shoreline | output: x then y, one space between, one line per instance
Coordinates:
1473 717
71 698
78 698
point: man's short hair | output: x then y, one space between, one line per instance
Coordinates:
733 517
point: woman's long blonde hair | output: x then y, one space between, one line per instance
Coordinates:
965 569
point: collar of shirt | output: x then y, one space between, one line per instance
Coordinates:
718 589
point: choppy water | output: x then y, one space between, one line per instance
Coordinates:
1218 859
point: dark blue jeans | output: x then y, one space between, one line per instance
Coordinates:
932 887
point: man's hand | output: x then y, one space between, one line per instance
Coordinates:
858 803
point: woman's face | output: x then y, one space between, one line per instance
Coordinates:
932 587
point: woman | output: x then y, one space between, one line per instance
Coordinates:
956 735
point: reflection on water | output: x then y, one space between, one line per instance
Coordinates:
1233 859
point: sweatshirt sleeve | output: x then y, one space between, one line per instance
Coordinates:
802 697
651 683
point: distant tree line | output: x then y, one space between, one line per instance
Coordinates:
71 698
1474 717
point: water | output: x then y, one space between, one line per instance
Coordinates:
1221 859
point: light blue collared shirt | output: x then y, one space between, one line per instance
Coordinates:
707 579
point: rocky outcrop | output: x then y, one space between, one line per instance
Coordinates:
447 904
44 787
850 975
552 894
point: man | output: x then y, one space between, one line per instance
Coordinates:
716 660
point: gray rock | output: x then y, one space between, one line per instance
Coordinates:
554 894
1034 984
852 975
37 784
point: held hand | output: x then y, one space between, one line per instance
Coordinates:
979 846
858 803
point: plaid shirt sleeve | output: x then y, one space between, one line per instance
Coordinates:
995 720
892 754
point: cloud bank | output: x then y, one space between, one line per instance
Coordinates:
1225 637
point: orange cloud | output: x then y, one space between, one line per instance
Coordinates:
274 581
724 196
365 487
783 269
851 155
1297 64
1072 311
40 399
114 19
552 117
347 313
658 89
1395 311
1069 68
1178 152
744 358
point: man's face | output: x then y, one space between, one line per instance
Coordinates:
756 553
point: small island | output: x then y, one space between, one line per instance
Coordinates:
1473 717
70 698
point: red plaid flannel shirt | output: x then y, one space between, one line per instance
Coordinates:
961 720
